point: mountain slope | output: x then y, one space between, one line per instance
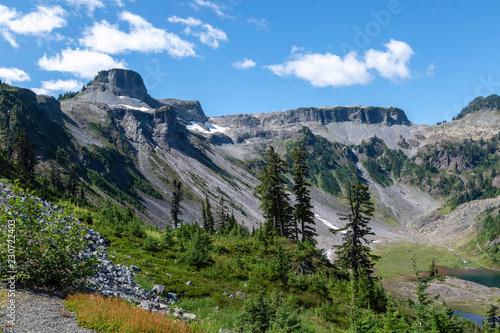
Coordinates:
130 146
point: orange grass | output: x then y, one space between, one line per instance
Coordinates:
116 315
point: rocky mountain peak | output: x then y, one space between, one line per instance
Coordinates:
491 102
120 82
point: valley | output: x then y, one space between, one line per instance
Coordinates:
434 188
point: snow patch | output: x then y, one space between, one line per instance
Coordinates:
211 128
126 97
328 224
132 107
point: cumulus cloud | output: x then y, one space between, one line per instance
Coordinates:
142 37
40 21
393 63
259 24
322 70
12 74
244 64
82 63
208 35
219 10
49 87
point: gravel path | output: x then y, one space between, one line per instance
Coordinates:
40 311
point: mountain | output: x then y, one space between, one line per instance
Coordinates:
128 146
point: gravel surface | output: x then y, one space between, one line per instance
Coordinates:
40 311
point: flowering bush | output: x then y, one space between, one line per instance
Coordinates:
42 244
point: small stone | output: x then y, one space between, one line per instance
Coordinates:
189 283
135 268
231 296
189 316
217 308
158 289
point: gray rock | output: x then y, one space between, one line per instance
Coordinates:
231 296
189 283
135 268
225 330
189 316
158 289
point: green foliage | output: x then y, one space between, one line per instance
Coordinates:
354 253
303 214
480 103
492 316
199 254
42 245
25 151
273 193
377 173
177 197
150 244
67 95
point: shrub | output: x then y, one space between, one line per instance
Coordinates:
47 246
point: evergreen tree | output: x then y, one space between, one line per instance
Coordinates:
221 215
72 182
492 317
274 195
433 271
54 175
208 219
354 254
177 197
199 254
303 215
25 153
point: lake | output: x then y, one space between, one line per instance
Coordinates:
478 319
484 276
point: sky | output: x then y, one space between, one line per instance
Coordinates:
427 57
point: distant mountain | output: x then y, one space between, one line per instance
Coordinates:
128 146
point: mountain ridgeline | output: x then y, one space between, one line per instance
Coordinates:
113 140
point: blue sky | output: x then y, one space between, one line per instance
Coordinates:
429 58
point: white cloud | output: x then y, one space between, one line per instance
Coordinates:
214 7
64 85
90 4
391 64
244 64
259 24
82 63
42 20
41 91
430 70
143 37
322 70
49 87
208 35
12 74
191 22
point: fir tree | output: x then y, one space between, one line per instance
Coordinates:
354 253
177 197
207 217
492 316
221 215
199 254
433 271
25 153
274 195
303 215
72 182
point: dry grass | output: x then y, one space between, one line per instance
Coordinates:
115 315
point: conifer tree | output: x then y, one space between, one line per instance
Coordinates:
303 215
354 252
274 195
221 215
492 316
433 271
208 218
25 151
177 197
